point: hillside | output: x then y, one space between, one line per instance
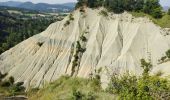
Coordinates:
84 42
17 25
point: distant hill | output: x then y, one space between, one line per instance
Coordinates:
10 3
43 7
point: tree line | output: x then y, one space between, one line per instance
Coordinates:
151 7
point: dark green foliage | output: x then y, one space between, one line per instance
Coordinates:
163 59
146 68
81 3
83 38
2 76
40 44
15 28
71 17
11 87
77 95
168 53
5 83
169 11
151 7
145 87
67 23
11 80
104 13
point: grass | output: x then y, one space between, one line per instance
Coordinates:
163 22
67 88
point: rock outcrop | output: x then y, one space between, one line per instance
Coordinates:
84 42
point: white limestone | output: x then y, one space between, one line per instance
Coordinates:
116 43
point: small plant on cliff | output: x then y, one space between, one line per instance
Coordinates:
103 13
168 53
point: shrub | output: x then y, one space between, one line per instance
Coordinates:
40 44
146 87
11 80
163 58
82 10
2 76
168 53
169 11
157 13
67 23
103 13
77 95
5 84
71 17
83 38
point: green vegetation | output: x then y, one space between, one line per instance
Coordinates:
145 87
9 88
166 57
69 88
169 11
151 7
168 54
125 87
163 22
71 18
78 52
103 13
16 27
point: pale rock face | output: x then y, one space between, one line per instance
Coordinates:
115 43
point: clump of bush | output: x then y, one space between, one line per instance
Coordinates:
67 23
146 87
167 56
71 18
39 44
103 13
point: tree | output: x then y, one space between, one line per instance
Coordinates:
81 3
169 11
153 8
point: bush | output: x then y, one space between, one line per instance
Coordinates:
146 87
169 11
5 84
168 53
11 80
77 95
40 44
83 38
163 58
67 23
103 13
157 13
71 17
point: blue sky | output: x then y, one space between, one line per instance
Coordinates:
163 2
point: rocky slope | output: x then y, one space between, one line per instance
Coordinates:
85 42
